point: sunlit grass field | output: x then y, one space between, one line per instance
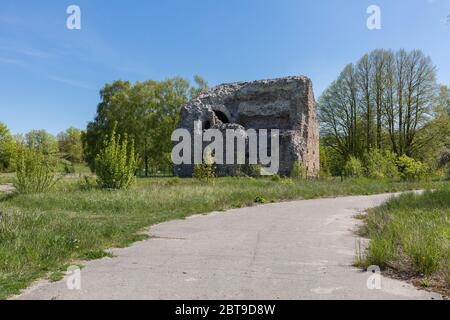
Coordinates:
411 234
41 233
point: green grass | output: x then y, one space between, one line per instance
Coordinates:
411 234
40 233
6 178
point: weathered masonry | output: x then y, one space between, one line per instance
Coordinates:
286 104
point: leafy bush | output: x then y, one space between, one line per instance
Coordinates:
116 163
276 178
35 172
325 169
260 199
410 169
205 171
353 168
87 183
68 167
298 170
379 165
252 170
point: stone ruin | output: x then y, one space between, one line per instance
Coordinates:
286 104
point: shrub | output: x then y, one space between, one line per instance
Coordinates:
410 169
298 170
116 163
353 168
205 171
252 170
276 178
35 172
87 183
260 199
379 165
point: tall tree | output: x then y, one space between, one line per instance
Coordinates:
147 111
390 93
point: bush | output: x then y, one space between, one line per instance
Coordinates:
353 168
68 167
252 170
116 163
298 170
205 171
87 183
35 172
410 169
379 165
276 178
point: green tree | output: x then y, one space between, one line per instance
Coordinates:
7 148
383 101
42 141
442 104
147 111
70 145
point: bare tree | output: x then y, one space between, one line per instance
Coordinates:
387 92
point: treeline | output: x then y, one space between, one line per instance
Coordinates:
146 112
387 101
66 146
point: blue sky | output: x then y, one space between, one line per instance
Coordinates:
50 76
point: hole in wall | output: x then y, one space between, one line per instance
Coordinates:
221 116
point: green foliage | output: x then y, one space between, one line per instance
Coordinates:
276 178
148 112
87 183
431 139
353 168
70 145
252 170
444 157
42 141
7 149
68 167
370 106
260 200
380 165
116 163
325 168
410 169
205 171
298 170
35 171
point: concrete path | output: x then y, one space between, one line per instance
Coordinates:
291 250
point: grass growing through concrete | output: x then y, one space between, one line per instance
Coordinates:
40 233
411 234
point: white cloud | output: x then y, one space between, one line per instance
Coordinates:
70 82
